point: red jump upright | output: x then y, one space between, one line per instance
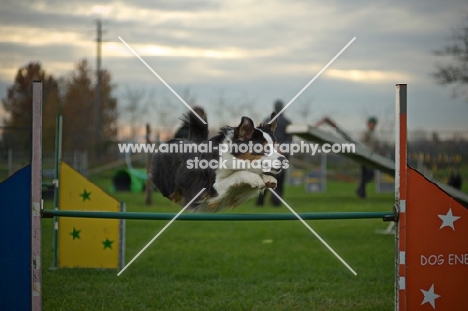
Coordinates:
432 236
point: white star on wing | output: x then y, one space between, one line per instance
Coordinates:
430 296
448 219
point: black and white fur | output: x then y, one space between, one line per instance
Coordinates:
225 186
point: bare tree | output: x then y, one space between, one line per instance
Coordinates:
305 110
221 107
246 107
455 72
188 97
165 115
136 109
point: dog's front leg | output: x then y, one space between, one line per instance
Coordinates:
270 181
238 178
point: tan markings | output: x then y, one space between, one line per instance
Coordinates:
249 156
213 205
176 197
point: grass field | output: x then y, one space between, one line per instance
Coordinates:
275 265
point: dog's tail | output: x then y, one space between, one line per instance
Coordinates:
198 131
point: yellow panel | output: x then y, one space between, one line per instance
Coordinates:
387 178
86 242
78 193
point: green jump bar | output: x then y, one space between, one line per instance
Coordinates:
216 217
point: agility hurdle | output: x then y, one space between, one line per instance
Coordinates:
20 226
86 243
386 216
430 272
431 249
83 250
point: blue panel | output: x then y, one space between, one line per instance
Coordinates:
15 241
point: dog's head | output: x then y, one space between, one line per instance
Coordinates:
258 145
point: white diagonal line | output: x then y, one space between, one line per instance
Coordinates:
310 82
160 232
162 80
312 230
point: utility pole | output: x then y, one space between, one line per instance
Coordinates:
98 95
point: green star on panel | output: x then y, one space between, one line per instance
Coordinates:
107 243
75 233
86 195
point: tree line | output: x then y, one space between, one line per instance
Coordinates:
72 96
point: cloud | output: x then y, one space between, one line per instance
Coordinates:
368 76
117 49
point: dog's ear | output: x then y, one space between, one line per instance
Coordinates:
245 129
274 123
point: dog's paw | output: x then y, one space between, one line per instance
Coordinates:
270 181
256 181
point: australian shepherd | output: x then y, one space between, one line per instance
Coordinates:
236 164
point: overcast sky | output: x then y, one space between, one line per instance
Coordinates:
251 52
